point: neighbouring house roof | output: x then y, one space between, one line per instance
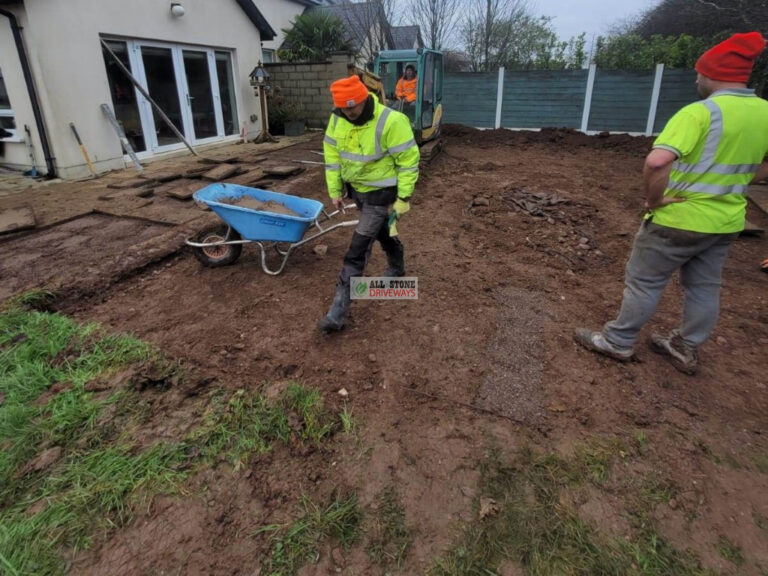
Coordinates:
255 16
359 18
406 37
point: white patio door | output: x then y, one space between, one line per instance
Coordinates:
184 83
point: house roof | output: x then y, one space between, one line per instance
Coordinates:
255 16
359 17
406 37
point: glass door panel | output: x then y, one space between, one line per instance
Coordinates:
200 96
162 87
123 93
227 93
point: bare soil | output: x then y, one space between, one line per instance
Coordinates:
254 204
501 291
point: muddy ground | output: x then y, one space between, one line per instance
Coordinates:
501 291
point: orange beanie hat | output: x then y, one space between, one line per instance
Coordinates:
348 92
732 59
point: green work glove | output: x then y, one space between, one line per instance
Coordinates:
400 208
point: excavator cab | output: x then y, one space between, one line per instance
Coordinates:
426 111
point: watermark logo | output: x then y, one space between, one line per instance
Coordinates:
384 288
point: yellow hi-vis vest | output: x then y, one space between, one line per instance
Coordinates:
379 154
719 142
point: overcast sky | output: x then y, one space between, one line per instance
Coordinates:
572 17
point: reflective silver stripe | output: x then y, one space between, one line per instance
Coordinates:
381 183
333 166
401 147
715 189
717 168
335 119
361 157
329 140
714 135
411 169
380 129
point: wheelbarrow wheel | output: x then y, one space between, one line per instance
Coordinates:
215 256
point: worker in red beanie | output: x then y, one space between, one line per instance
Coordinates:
371 154
695 179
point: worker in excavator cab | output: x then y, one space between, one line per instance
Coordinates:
405 91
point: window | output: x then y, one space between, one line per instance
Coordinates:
268 55
227 92
7 121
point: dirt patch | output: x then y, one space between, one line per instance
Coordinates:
503 285
68 250
246 201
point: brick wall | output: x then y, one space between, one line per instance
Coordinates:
309 83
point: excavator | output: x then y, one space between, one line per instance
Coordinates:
427 111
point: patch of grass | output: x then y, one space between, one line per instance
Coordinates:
244 425
390 539
760 520
729 551
316 423
537 527
86 485
98 473
641 441
761 462
348 424
295 544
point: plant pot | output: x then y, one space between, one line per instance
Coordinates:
295 128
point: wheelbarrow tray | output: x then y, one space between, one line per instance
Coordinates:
258 225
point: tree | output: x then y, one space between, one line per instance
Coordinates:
437 19
505 33
677 32
313 36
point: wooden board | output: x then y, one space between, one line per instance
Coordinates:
221 172
759 196
231 159
15 219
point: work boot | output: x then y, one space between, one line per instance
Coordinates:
334 320
679 354
596 342
396 261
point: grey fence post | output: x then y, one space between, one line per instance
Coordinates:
499 97
654 99
588 97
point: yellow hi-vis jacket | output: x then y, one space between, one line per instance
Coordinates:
379 154
719 142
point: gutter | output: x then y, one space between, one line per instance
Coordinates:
49 158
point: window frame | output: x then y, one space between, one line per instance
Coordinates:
8 113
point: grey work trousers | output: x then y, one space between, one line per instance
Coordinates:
373 226
656 253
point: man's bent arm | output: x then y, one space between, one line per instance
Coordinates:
658 165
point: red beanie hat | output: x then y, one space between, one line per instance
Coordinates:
732 59
348 92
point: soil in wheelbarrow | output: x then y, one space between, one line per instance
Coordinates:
246 201
516 239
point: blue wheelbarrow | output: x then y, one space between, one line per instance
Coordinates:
222 244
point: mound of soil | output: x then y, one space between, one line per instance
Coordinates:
566 137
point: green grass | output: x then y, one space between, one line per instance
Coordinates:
295 544
389 538
539 528
348 424
103 472
729 551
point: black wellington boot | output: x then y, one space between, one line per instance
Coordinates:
334 320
